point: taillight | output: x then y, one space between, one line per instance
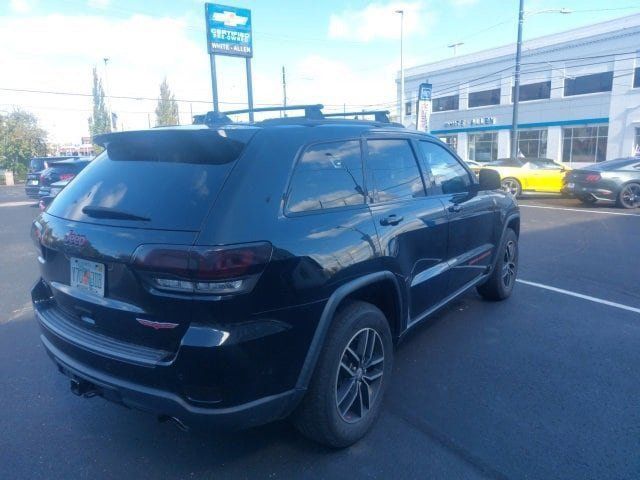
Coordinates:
66 176
204 270
593 177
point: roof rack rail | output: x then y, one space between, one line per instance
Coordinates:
381 116
311 112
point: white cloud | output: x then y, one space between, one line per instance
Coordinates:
377 20
21 6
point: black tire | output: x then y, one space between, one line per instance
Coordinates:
588 200
503 278
320 416
629 196
512 185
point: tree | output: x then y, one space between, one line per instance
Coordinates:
99 121
21 138
167 109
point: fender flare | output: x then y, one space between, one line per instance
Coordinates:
327 317
505 225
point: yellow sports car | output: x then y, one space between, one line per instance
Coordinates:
529 174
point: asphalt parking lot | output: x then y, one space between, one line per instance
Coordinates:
545 385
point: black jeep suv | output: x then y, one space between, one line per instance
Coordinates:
235 274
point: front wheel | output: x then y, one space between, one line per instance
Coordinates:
629 196
352 373
512 186
500 283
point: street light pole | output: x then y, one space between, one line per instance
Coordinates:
401 12
516 89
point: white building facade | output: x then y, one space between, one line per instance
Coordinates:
579 96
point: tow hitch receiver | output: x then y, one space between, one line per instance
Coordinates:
82 388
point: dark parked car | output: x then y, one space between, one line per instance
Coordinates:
63 170
53 191
614 181
36 166
235 274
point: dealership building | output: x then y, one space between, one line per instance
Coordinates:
579 96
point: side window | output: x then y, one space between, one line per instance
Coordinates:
393 171
449 176
328 175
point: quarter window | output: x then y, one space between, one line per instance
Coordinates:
442 104
328 175
393 171
636 143
636 78
585 144
448 175
486 97
597 82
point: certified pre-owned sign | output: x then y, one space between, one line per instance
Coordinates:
229 30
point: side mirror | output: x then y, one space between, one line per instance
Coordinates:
489 180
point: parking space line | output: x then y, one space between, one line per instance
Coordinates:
581 210
580 295
17 204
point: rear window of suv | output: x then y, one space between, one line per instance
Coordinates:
166 178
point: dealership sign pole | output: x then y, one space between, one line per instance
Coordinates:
229 34
424 107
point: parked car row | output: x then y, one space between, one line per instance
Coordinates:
49 175
611 181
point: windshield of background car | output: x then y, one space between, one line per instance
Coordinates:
170 177
36 164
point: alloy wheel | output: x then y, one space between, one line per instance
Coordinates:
509 264
359 375
510 186
630 195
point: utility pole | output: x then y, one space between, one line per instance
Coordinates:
455 47
284 90
401 12
516 87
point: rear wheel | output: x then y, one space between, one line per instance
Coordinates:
512 185
353 370
629 196
501 281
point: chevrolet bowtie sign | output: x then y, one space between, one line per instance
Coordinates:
229 30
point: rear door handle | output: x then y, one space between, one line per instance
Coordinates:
455 208
392 219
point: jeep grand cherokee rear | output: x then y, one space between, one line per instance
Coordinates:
239 274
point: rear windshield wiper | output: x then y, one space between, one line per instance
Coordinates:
106 212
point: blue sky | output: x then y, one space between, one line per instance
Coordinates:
335 52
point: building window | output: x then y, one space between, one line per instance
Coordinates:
407 108
446 103
486 97
585 144
483 147
533 91
636 78
532 143
597 82
451 140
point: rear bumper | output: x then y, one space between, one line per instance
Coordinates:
164 403
32 190
235 382
598 192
